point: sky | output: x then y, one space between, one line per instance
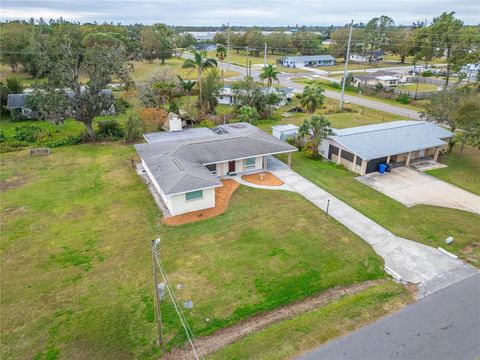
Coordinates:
239 12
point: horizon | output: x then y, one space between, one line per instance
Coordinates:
214 13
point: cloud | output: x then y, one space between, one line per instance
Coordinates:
240 12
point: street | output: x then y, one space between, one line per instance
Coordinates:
441 326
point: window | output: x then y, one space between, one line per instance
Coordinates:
250 163
193 195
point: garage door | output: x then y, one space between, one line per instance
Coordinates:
372 165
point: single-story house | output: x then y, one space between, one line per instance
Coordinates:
205 47
471 71
186 171
386 78
307 60
363 58
361 149
227 97
16 103
284 131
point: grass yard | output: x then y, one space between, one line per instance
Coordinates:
144 70
426 224
76 229
421 87
6 72
76 266
463 169
357 115
256 257
304 332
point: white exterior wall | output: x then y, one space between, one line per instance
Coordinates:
175 124
179 204
166 199
225 99
323 149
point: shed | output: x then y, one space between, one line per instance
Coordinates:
285 131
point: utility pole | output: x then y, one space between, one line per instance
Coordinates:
346 66
246 53
265 56
228 46
158 314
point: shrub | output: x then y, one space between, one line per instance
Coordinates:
133 128
109 129
3 138
30 133
404 99
248 114
121 105
427 73
206 123
153 118
69 140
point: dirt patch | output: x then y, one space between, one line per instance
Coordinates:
223 337
222 199
263 178
13 182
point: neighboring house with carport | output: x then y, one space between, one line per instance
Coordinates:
16 103
386 78
186 170
307 60
398 143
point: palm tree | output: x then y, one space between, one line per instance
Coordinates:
221 55
269 73
312 98
200 61
316 128
187 85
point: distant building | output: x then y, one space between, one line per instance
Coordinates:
363 58
386 78
307 60
227 97
284 131
471 71
205 47
16 103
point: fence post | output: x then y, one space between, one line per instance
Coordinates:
328 205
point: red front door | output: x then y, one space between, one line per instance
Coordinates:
231 166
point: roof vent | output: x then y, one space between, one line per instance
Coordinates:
237 126
177 165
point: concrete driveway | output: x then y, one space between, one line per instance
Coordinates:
411 187
405 260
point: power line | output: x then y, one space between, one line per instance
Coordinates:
188 331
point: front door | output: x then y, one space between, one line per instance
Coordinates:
231 166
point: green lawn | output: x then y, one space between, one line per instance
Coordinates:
144 70
426 224
355 116
291 337
76 267
421 87
414 104
463 169
75 260
256 257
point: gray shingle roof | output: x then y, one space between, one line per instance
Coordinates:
397 137
178 166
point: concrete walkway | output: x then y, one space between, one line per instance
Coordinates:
239 179
405 260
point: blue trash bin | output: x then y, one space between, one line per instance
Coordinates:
382 168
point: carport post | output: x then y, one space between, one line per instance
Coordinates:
388 159
409 156
265 163
339 156
437 152
289 160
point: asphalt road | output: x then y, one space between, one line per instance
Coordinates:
441 326
285 79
